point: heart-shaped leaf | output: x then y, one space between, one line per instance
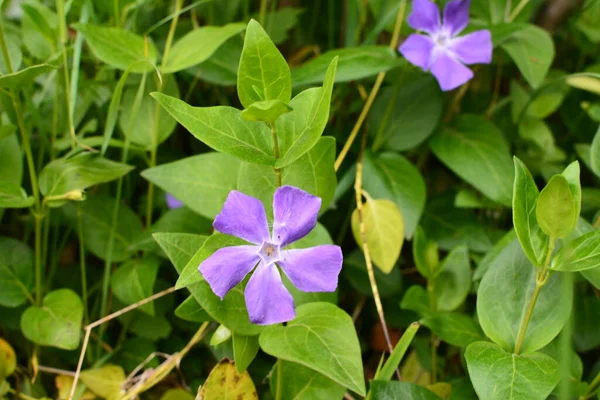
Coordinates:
57 323
321 337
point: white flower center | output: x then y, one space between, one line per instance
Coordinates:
269 253
442 39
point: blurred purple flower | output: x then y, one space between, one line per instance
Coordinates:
172 202
315 269
441 51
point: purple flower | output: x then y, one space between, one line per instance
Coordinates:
315 269
173 202
441 51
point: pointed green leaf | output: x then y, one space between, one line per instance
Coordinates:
245 348
453 282
425 254
571 173
556 210
25 76
581 254
266 111
14 196
179 247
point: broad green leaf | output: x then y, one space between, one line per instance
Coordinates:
392 390
96 214
11 167
245 348
179 247
354 63
225 383
416 299
222 67
16 272
14 196
57 323
191 311
454 280
223 129
118 47
532 49
21 78
263 73
297 382
525 195
177 394
493 253
199 45
280 22
580 254
425 254
220 335
556 209
301 129
541 142
571 174
266 111
505 292
391 176
595 154
150 327
454 328
105 381
201 182
78 173
313 172
499 375
476 151
134 281
34 40
321 337
143 125
406 114
384 231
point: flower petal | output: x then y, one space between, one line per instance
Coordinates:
424 16
315 269
474 48
449 72
243 216
267 300
456 16
295 214
226 267
417 50
173 202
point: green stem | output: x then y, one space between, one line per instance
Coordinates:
279 385
278 171
522 4
433 308
38 259
540 280
116 12
262 15
84 291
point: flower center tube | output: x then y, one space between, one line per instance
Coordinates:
269 253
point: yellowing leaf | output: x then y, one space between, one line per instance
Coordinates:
8 359
105 382
384 228
225 383
64 384
589 83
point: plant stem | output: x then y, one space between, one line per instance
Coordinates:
540 280
433 308
84 291
592 388
278 171
374 91
156 123
262 15
278 387
517 10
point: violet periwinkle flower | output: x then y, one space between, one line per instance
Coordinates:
315 269
173 202
441 51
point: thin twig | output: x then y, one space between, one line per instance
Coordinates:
55 371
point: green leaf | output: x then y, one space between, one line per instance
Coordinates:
11 167
16 272
406 114
119 48
425 254
416 299
245 348
387 371
300 383
263 73
57 323
223 129
225 383
177 394
14 196
595 154
105 381
179 247
580 254
532 49
150 327
525 195
392 390
321 337
191 311
301 129
391 176
556 210
199 45
220 335
571 174
34 40
354 63
78 173
476 151
96 214
313 172
134 281
456 329
201 182
18 79
286 18
384 231
266 111
506 290
454 280
500 375
222 67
